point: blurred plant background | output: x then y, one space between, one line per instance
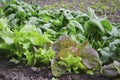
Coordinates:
104 8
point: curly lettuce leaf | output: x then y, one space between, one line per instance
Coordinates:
76 57
90 56
64 46
57 69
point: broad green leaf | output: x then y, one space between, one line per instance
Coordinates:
3 2
3 23
11 16
50 31
82 19
77 25
80 37
8 40
93 25
46 26
32 21
106 24
110 53
72 28
90 12
68 14
115 32
20 13
113 44
106 52
57 23
45 15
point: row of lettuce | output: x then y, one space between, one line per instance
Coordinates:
64 40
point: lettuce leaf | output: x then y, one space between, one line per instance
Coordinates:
75 57
90 56
112 70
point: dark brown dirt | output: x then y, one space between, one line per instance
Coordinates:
11 71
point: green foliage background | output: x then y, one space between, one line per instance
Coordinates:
109 8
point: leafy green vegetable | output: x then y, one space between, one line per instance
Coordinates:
76 24
90 57
93 27
21 13
91 13
111 53
65 46
20 43
105 23
72 63
112 70
75 57
43 56
63 38
57 69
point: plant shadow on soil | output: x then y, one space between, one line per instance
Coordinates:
11 71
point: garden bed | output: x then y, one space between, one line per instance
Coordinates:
11 71
31 48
